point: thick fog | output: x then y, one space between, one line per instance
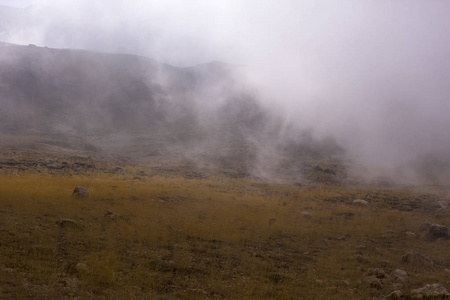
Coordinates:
373 75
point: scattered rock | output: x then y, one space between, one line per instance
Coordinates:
272 221
306 215
399 276
431 231
375 278
410 235
109 214
359 258
395 295
442 204
70 285
81 268
433 291
360 202
117 170
417 259
373 282
67 223
81 192
55 165
377 272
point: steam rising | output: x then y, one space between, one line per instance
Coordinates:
373 76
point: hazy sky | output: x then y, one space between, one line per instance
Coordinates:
375 74
16 3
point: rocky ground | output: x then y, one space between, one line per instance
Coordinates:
141 232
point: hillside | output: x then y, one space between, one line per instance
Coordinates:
201 117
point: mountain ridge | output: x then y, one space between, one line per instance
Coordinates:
129 105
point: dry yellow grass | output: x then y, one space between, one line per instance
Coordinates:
219 238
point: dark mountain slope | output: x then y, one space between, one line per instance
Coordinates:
134 106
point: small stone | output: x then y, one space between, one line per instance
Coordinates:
67 223
399 276
272 221
306 215
55 165
443 205
373 282
410 235
417 259
81 192
109 214
395 295
360 202
377 272
430 291
431 231
81 268
359 258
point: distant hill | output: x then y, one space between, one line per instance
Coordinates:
128 105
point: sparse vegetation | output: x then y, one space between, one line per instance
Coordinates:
134 167
171 237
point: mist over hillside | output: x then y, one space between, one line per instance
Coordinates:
336 82
124 105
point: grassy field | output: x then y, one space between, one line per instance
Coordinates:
169 237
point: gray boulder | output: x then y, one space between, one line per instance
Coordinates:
110 215
417 259
306 215
410 235
397 294
80 192
430 291
55 165
360 202
81 268
67 223
399 276
430 231
377 272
